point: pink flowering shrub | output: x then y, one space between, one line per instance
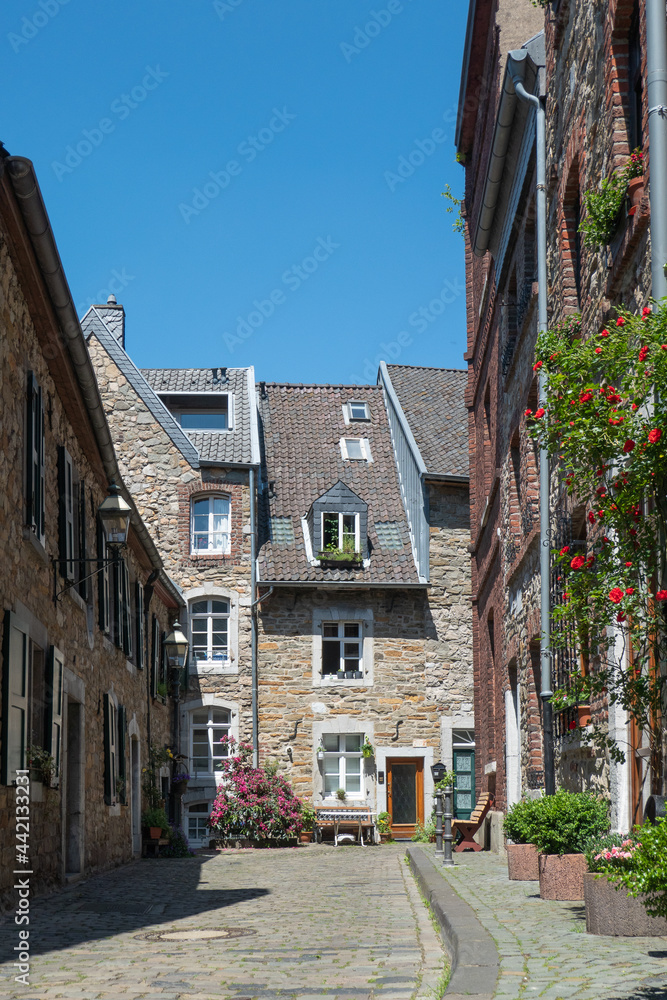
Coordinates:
252 802
612 853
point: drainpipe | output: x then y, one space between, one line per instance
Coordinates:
656 80
545 569
253 618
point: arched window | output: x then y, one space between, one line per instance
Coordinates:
210 525
208 726
209 632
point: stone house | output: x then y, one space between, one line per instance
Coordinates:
364 621
188 448
588 63
81 633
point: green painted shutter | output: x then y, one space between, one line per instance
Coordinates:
122 760
14 699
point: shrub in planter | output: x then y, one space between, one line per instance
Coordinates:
644 874
155 818
564 823
253 803
520 827
610 909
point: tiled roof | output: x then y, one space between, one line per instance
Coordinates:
233 446
301 427
432 401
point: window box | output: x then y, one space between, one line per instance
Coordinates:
331 558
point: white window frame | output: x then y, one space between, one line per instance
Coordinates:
343 756
209 726
198 841
171 401
365 449
225 549
340 614
355 402
209 663
341 515
342 640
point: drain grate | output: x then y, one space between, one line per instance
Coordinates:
197 934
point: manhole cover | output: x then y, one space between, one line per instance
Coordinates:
197 934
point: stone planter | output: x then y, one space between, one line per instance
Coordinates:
562 876
613 912
522 864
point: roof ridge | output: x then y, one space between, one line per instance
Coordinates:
318 385
430 368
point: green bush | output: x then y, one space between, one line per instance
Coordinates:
155 817
520 823
178 846
423 832
610 853
566 821
648 871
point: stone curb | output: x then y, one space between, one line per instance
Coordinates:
474 956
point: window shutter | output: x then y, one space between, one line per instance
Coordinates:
14 699
126 614
102 582
110 742
66 527
55 669
155 647
35 515
122 760
139 610
115 613
83 545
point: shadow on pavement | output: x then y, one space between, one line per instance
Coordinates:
648 992
143 894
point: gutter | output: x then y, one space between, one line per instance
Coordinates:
253 612
656 87
21 173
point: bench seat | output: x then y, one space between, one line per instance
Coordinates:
354 818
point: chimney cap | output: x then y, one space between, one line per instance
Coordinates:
111 301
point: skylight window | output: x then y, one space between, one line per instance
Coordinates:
389 535
203 420
359 411
355 449
282 531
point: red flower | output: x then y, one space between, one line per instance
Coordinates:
629 590
605 333
646 311
585 396
661 595
537 366
572 725
601 512
528 413
598 350
620 617
601 490
591 517
628 564
634 406
643 353
540 413
614 398
577 562
616 595
628 446
552 356
654 435
620 321
633 531
564 550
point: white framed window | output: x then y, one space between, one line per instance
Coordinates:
358 411
342 649
210 525
203 420
209 632
355 449
198 832
208 725
342 764
340 531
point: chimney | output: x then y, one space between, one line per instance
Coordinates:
114 318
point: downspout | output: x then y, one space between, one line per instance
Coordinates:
545 569
253 618
656 81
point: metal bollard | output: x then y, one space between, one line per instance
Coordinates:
448 837
439 852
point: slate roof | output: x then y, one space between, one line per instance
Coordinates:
233 447
301 427
433 404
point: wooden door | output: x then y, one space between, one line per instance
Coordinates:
405 794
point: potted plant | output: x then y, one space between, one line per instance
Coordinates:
367 748
42 764
603 207
383 825
340 794
155 822
320 752
520 827
307 823
333 555
179 782
564 823
615 865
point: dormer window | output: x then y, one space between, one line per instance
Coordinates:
340 532
356 411
338 525
200 411
355 449
203 420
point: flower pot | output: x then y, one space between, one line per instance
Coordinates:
306 837
178 787
154 832
522 864
562 876
635 193
612 912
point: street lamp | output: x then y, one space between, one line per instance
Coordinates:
115 516
176 647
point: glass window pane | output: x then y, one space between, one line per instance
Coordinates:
201 715
220 715
204 421
351 650
331 783
358 411
220 607
200 542
199 607
200 763
330 628
353 783
349 524
351 630
330 742
352 765
354 448
330 657
330 530
199 807
220 506
331 766
201 508
353 742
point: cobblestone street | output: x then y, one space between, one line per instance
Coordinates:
300 924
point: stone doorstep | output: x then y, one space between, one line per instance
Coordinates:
474 956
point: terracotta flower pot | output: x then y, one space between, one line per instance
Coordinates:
306 837
612 912
635 193
522 865
155 832
562 876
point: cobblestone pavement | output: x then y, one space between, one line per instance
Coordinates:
544 948
316 922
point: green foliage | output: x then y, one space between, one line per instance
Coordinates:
521 821
307 816
423 832
340 794
178 846
563 823
604 423
155 817
42 762
603 207
384 823
647 873
367 748
448 780
610 853
454 205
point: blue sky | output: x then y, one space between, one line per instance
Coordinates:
259 181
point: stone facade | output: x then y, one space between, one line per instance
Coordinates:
76 824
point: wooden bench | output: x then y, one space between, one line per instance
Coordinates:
153 846
355 818
467 828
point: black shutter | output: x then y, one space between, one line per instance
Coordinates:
62 513
122 762
83 545
102 582
108 769
155 645
139 632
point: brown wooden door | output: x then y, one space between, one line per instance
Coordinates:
405 794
